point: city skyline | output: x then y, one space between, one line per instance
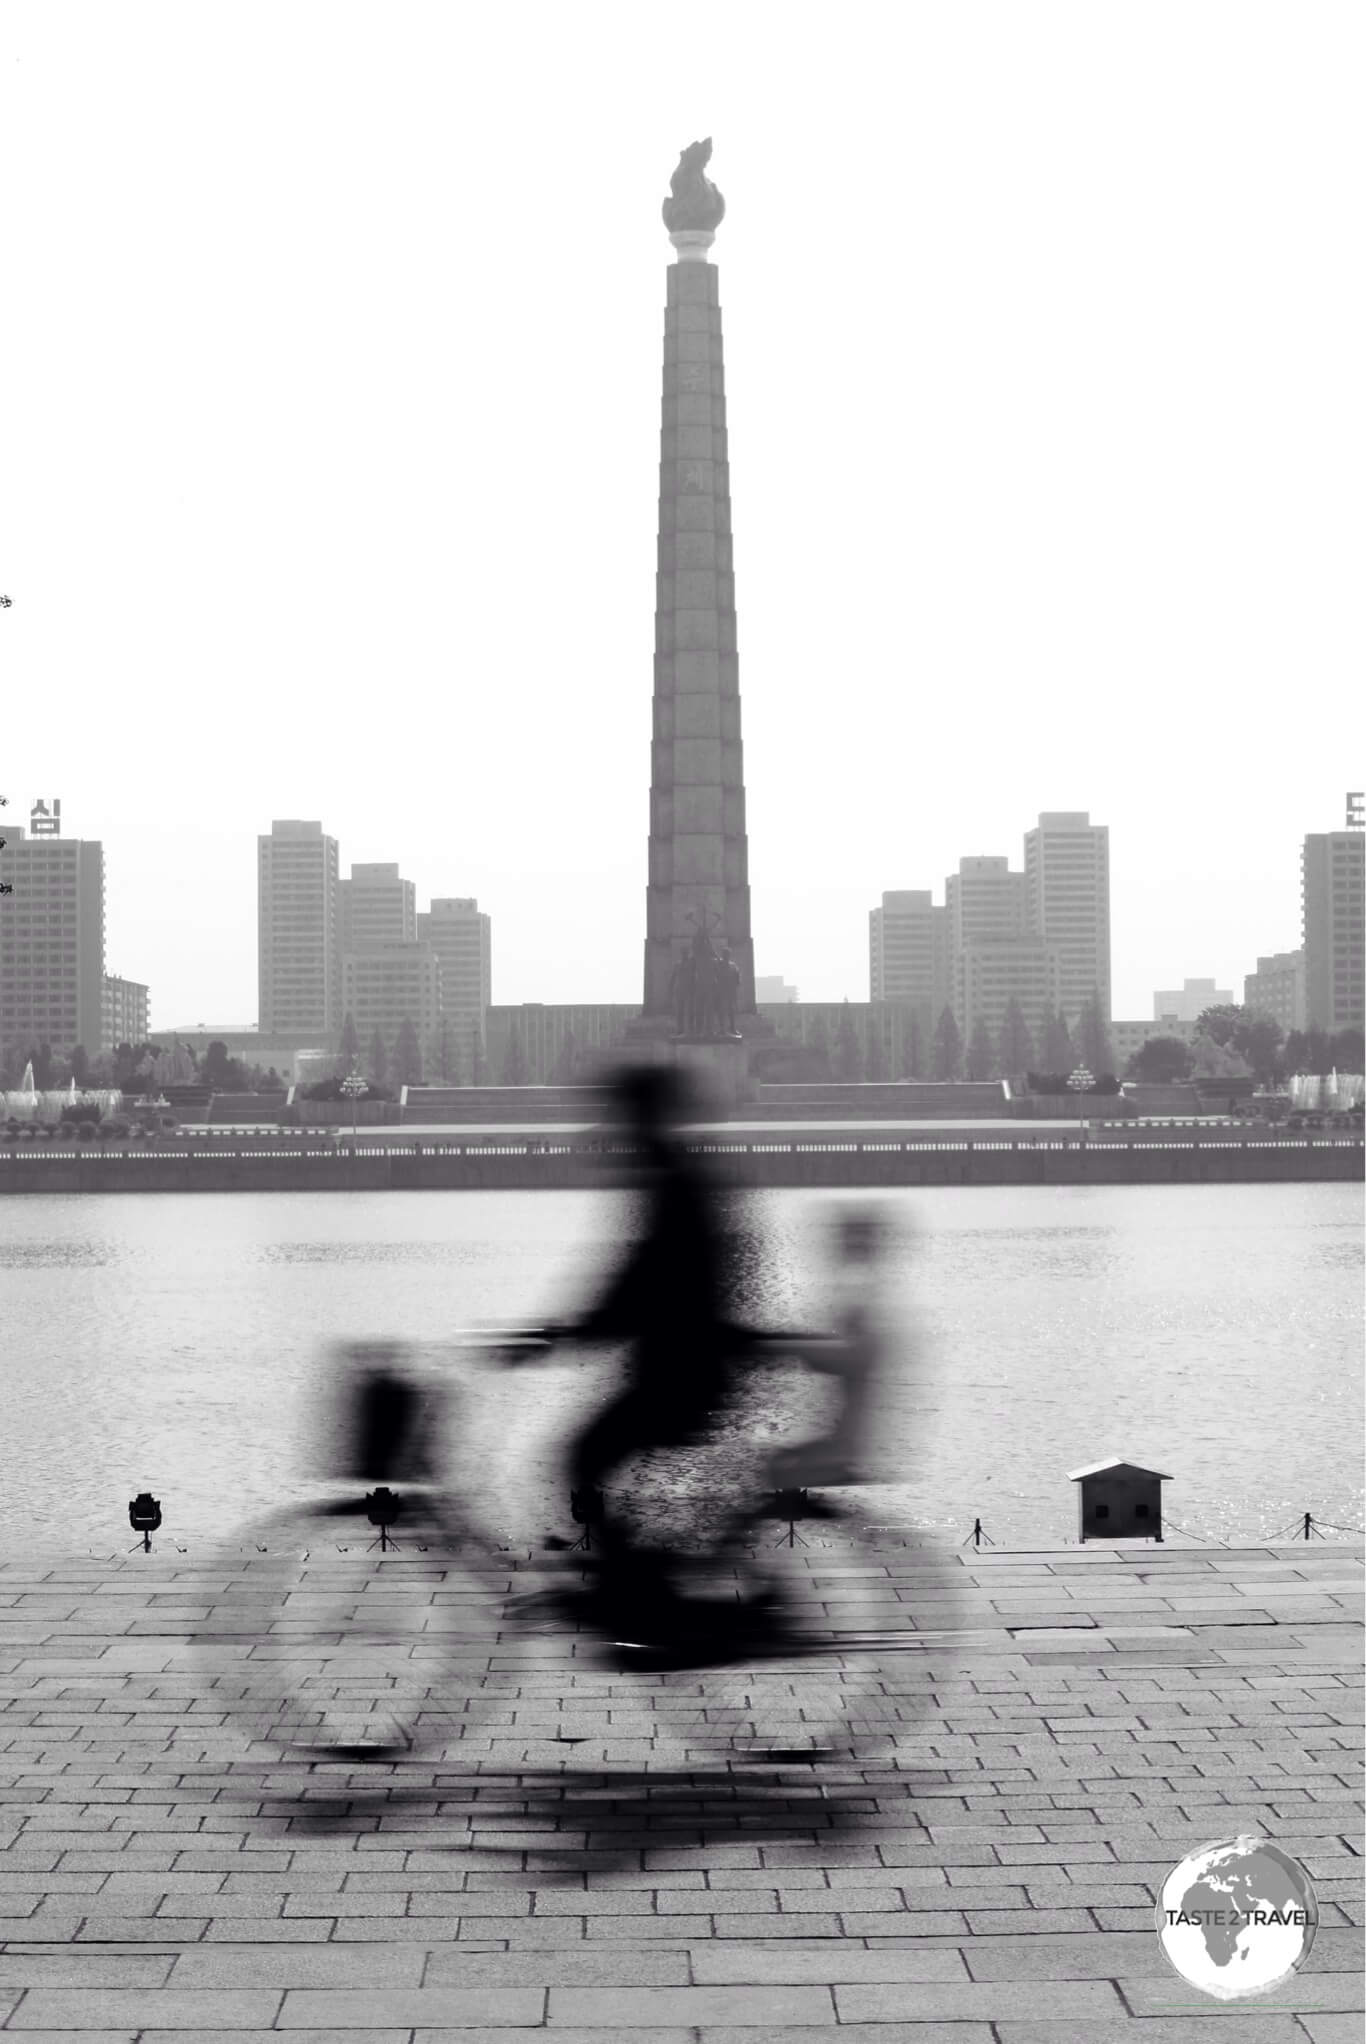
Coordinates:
375 902
1078 527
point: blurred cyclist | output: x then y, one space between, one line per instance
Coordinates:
666 1302
854 1358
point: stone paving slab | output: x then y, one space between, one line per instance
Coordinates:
1070 1724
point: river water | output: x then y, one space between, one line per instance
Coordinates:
178 1343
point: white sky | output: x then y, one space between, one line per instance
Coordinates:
331 367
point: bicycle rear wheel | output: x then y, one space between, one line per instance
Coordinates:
826 1682
814 1667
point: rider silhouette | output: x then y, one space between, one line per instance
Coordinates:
666 1302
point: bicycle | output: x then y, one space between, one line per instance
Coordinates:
372 1626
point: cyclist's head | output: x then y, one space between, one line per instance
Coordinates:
389 1418
651 1099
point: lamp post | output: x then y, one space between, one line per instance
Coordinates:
1080 1081
353 1086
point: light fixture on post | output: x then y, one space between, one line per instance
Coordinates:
144 1516
355 1089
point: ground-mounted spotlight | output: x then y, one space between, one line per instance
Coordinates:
382 1507
587 1508
790 1505
144 1516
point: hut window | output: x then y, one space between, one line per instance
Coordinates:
1102 1511
1140 1511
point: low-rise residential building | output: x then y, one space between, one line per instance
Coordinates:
125 1015
1276 988
1190 1001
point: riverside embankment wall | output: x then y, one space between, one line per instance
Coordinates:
524 1165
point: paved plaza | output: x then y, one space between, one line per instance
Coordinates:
1082 1719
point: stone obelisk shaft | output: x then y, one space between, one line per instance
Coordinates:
698 871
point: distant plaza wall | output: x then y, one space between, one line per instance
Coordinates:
558 1045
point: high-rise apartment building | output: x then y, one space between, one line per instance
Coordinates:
995 956
1189 1002
377 907
985 902
909 950
992 975
773 987
1276 988
125 1015
51 940
461 936
1333 863
298 907
385 985
1067 885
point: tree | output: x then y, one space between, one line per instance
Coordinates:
80 1065
1093 1038
1259 1040
566 1067
479 1067
126 1058
377 1059
948 1046
407 1069
1346 1049
1255 1037
1016 1047
1211 1060
876 1066
848 1049
1161 1061
215 1069
1219 1023
913 1048
223 1073
349 1055
175 1067
515 1072
980 1053
1055 1043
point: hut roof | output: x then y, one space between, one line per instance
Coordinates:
1116 1463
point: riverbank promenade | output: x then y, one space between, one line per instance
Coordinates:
1075 1722
408 1160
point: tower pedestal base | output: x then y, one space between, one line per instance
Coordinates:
718 1066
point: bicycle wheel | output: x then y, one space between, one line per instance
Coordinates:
825 1680
325 1636
787 1654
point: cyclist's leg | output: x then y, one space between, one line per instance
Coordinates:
634 1578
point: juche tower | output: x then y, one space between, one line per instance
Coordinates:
698 856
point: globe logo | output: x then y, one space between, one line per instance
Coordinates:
1237 1918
